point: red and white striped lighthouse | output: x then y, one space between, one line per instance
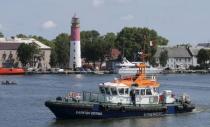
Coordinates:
75 50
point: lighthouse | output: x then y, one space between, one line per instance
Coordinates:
75 50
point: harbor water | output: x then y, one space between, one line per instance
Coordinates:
22 105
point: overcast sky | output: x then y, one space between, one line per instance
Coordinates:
177 20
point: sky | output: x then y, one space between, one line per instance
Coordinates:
180 21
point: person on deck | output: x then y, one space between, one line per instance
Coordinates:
133 96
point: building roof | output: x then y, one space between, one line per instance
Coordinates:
9 46
203 45
115 53
14 43
194 51
173 52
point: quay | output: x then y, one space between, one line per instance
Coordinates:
185 71
69 72
111 72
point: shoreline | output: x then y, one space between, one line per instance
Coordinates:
111 72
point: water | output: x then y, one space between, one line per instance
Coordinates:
22 105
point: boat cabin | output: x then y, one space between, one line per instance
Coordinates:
121 93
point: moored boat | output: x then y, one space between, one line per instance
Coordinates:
11 71
124 97
129 68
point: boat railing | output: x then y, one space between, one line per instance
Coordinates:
85 96
134 77
92 96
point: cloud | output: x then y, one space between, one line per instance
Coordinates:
127 17
97 3
49 24
1 26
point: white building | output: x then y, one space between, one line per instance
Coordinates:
179 57
8 52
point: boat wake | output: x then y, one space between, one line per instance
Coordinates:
201 108
187 84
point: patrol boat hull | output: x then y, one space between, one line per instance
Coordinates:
84 110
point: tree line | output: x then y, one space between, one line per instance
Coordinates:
95 47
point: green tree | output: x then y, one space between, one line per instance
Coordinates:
1 34
25 53
88 43
131 40
53 58
110 39
163 58
202 57
62 44
162 40
22 36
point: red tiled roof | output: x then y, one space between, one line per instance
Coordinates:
115 53
9 46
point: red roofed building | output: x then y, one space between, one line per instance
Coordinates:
115 53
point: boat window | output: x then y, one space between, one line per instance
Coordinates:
142 91
148 92
114 91
137 92
155 90
107 90
102 90
126 91
121 91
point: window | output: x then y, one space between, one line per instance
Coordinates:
148 92
114 91
121 91
126 91
107 91
142 91
137 92
102 90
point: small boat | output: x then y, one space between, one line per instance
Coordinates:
8 82
11 71
129 68
128 96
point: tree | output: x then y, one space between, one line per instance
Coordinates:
162 40
22 36
53 57
1 34
202 57
163 58
88 43
25 53
62 44
131 40
110 39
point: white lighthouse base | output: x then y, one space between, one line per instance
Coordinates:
75 55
